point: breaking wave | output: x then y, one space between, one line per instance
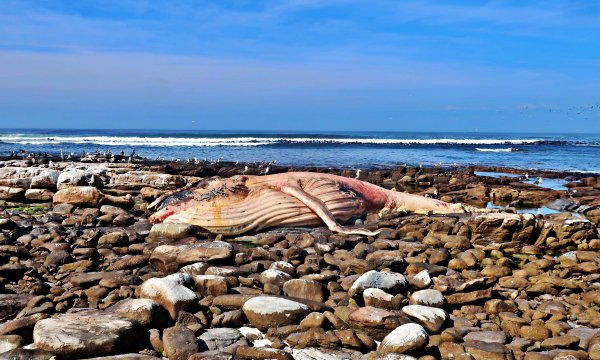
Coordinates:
249 141
497 150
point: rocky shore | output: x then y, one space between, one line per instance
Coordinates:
84 275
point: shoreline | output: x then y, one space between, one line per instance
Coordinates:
375 167
498 285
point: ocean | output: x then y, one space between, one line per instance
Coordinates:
562 152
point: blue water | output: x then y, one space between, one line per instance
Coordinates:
566 152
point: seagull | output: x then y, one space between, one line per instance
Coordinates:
357 174
267 170
538 181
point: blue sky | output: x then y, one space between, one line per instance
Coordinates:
530 66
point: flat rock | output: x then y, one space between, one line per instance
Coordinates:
265 312
84 332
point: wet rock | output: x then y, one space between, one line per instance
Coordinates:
179 342
84 332
169 292
405 338
264 312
